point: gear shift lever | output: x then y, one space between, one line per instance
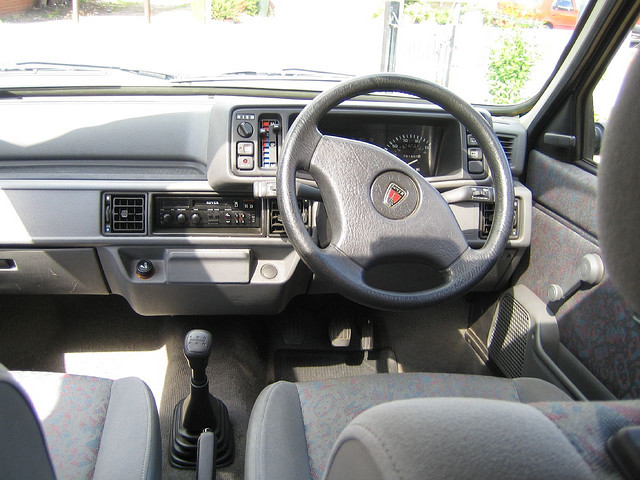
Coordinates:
197 348
199 410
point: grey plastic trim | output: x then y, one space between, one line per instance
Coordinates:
104 184
468 215
52 271
156 295
513 127
86 169
551 365
580 375
501 271
559 140
543 342
159 127
200 265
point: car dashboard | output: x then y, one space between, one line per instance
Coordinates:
170 201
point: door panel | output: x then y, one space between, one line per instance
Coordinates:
596 325
565 189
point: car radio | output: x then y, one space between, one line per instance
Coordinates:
205 212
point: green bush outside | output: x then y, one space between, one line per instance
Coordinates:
418 11
232 9
423 10
510 68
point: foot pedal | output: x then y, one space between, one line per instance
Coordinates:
293 330
366 339
340 332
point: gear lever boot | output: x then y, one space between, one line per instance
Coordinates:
199 410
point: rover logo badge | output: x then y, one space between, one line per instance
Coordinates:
395 194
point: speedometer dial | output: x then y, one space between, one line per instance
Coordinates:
413 149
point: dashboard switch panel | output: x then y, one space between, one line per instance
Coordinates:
205 213
256 141
270 142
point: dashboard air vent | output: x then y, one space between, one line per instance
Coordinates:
276 227
508 142
125 213
486 219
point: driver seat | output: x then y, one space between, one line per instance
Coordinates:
408 426
294 426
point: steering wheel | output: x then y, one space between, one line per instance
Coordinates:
380 208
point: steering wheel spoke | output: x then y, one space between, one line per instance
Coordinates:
380 208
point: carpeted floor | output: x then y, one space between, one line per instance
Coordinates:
431 339
99 330
102 336
305 366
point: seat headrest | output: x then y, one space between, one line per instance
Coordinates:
618 179
453 438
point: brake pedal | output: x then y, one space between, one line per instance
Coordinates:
340 332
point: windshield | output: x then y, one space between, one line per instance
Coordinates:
486 51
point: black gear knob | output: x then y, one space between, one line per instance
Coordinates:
197 348
199 410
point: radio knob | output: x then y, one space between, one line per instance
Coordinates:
195 219
182 218
167 218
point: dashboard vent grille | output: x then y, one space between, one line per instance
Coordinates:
125 213
276 227
508 142
486 218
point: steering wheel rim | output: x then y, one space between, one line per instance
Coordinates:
329 159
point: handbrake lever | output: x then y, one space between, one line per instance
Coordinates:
206 456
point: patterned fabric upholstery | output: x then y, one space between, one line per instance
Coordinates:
328 406
565 188
72 410
596 325
588 425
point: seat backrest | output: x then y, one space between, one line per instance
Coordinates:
23 449
618 177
